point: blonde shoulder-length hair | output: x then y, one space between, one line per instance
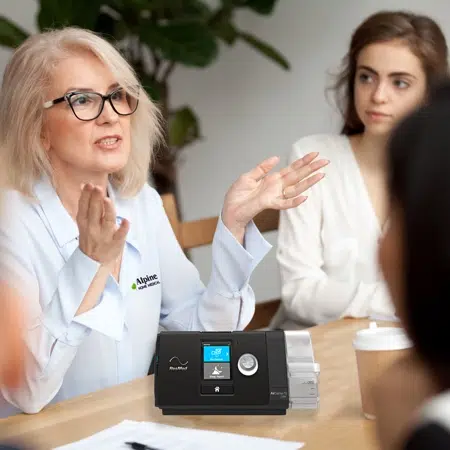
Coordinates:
23 93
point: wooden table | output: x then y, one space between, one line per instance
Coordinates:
338 424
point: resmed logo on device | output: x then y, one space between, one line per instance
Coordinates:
176 365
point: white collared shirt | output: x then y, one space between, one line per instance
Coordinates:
158 286
328 247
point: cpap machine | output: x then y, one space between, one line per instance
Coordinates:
239 372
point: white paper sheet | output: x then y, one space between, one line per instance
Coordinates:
166 437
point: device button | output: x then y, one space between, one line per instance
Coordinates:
247 364
217 389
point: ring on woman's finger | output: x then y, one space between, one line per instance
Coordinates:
284 193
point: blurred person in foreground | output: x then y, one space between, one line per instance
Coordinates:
413 396
11 343
12 346
11 317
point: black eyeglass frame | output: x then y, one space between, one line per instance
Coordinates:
69 95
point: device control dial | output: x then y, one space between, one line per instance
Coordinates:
248 364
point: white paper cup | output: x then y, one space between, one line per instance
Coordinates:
376 349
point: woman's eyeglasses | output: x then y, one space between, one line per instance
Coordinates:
89 105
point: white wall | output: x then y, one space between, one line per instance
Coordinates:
22 12
250 109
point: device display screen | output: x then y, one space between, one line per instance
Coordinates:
216 361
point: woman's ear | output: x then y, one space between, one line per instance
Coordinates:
45 139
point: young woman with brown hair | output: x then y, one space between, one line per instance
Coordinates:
327 248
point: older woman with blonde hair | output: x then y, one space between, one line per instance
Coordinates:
88 242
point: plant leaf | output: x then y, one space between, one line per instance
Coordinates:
265 7
57 13
106 25
263 47
188 42
186 9
227 32
172 9
151 86
183 127
222 27
11 35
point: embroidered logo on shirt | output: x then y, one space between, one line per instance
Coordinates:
145 282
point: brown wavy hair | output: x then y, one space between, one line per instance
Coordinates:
420 33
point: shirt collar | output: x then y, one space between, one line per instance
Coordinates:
62 225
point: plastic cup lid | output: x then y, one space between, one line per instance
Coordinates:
381 338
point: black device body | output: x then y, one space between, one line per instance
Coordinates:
197 373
